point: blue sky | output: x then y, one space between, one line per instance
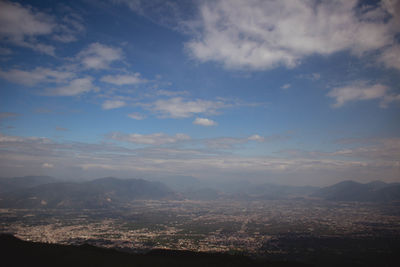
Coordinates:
303 92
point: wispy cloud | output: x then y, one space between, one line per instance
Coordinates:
390 57
224 142
61 129
150 139
36 76
113 104
361 91
21 25
18 24
73 88
171 14
125 79
71 25
313 76
47 165
204 122
374 149
4 115
84 158
136 116
233 142
99 56
256 137
178 107
171 93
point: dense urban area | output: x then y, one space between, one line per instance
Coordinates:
252 227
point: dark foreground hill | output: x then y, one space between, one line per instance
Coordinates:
16 252
99 193
354 191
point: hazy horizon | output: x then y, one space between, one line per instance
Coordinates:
192 182
294 93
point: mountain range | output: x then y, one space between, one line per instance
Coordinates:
376 191
48 192
15 183
99 193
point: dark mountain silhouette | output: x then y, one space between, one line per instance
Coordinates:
378 185
376 191
16 252
389 193
100 193
16 183
45 191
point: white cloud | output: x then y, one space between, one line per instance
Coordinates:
47 165
150 139
67 84
36 76
21 25
71 27
18 139
123 79
136 116
390 57
232 142
18 23
99 56
74 87
261 35
177 107
375 149
171 93
256 137
362 90
286 86
204 122
42 48
313 76
224 142
112 104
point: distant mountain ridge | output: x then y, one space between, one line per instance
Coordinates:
376 191
15 183
99 193
48 192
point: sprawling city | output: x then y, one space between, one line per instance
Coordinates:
258 228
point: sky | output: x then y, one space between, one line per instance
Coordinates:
290 92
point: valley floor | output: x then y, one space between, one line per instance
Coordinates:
299 230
